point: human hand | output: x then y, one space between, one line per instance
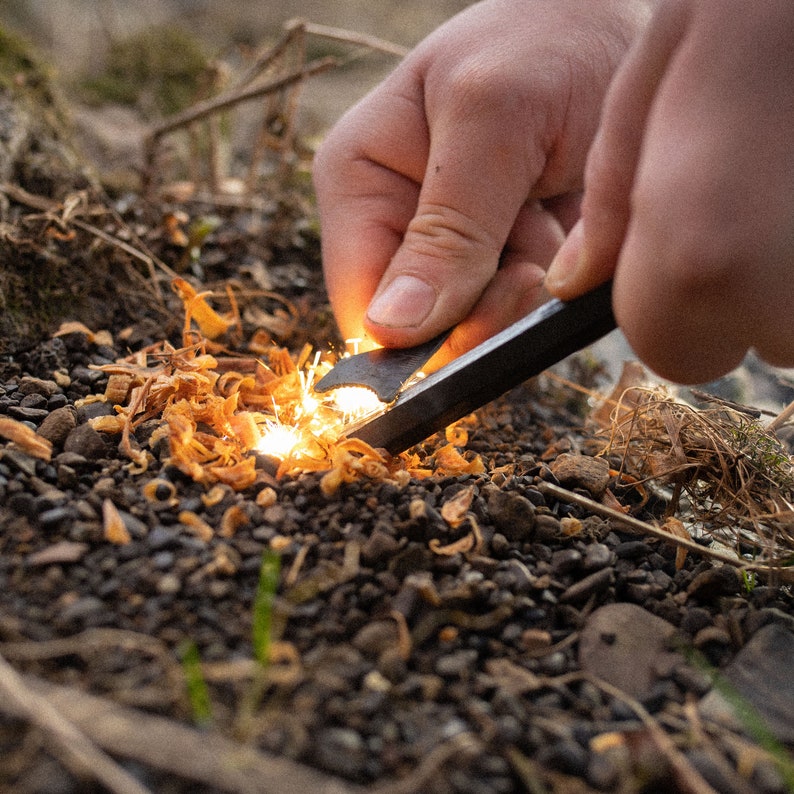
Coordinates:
446 192
689 191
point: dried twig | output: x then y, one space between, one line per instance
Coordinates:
66 213
203 756
227 100
688 778
781 419
285 62
737 475
431 765
644 528
352 37
70 743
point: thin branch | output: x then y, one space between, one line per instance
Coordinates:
784 416
70 743
351 37
202 109
203 756
644 528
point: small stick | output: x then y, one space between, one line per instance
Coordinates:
644 528
351 37
74 747
781 418
227 100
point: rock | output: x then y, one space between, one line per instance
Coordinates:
31 385
597 556
376 637
341 750
85 441
722 580
379 546
582 471
512 514
623 645
63 552
547 527
58 424
760 674
456 664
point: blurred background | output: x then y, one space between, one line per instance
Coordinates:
79 36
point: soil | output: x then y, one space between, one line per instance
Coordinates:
561 650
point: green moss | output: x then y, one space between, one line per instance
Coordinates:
159 70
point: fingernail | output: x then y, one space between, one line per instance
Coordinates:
406 302
568 260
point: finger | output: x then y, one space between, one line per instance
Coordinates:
589 255
479 173
366 175
707 257
517 287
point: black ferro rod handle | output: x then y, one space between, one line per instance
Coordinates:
542 338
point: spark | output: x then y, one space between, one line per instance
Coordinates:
355 401
278 440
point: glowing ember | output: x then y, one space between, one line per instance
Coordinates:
278 440
355 401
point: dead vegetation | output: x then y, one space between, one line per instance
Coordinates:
263 93
729 475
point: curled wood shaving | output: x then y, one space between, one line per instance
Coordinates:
113 527
210 323
196 525
454 510
471 542
214 409
95 337
25 438
233 518
676 528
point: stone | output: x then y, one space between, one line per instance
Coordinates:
512 514
760 675
623 645
58 424
582 471
86 442
721 580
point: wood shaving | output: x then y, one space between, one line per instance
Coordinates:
216 407
25 438
113 527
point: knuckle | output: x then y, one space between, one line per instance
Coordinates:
443 232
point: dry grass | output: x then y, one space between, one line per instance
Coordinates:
728 472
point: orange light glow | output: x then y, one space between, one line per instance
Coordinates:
278 440
304 417
355 402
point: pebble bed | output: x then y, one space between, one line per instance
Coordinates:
461 673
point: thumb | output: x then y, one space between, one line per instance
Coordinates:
469 200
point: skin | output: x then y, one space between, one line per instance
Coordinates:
447 193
